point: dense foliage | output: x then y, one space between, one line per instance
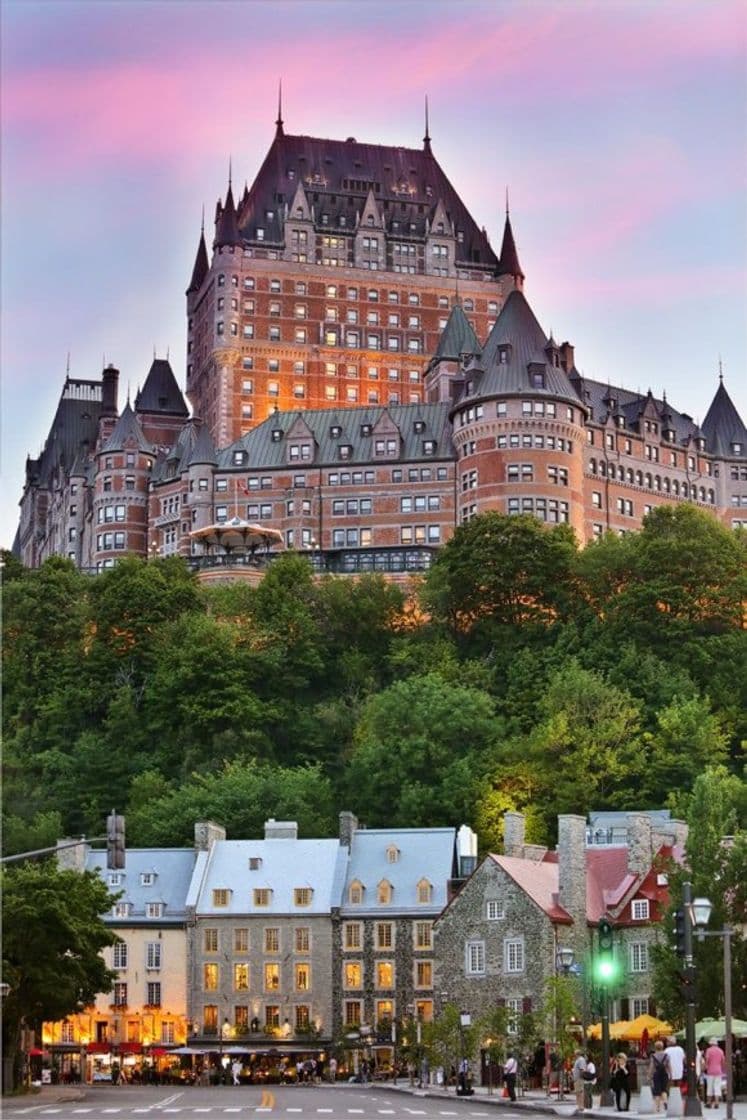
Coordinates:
522 672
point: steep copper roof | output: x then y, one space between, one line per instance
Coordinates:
73 432
201 266
457 338
203 450
515 343
337 175
723 426
226 229
509 259
160 393
126 430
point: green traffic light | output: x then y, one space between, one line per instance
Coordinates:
605 970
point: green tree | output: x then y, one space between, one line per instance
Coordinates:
560 1015
53 936
446 1040
688 738
415 752
510 571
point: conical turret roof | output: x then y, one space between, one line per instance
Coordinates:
723 426
509 259
203 450
227 227
201 267
127 431
457 338
160 393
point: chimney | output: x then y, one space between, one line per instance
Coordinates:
513 834
640 843
572 869
206 834
72 858
110 382
348 827
281 830
671 833
567 356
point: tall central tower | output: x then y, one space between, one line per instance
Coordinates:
331 281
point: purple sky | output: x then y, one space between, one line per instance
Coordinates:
620 129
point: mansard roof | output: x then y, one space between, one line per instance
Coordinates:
353 428
597 396
457 338
338 175
168 874
723 427
421 854
517 336
160 393
73 432
127 432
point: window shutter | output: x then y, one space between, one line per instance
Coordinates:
625 1009
651 1006
526 1005
500 1001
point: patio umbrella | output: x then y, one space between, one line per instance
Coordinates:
655 1028
716 1028
617 1030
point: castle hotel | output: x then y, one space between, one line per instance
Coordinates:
364 373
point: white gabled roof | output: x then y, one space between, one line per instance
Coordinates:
423 854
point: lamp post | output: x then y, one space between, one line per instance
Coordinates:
564 961
692 1104
465 1020
699 916
225 1025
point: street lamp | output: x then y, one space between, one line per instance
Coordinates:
692 1104
225 1025
465 1020
699 913
564 961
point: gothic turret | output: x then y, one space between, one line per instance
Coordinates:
201 266
508 265
227 226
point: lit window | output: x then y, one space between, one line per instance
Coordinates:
272 976
425 891
210 977
355 892
241 977
384 892
352 974
384 974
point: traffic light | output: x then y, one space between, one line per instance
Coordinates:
678 930
687 985
605 969
115 841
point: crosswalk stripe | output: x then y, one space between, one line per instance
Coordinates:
294 1110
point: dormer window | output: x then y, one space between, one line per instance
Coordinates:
736 448
147 878
302 896
220 896
346 451
255 862
640 910
335 431
114 879
365 429
424 891
121 910
355 892
262 896
239 458
429 447
277 435
392 853
537 376
504 353
384 892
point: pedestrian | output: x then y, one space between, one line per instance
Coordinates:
659 1076
235 1071
714 1061
620 1081
509 1075
676 1058
577 1072
332 1069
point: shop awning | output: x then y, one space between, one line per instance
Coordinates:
130 1047
35 1052
98 1048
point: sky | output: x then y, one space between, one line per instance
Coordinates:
619 129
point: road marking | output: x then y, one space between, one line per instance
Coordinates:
172 1110
79 1110
202 1110
232 1109
49 1111
356 1110
324 1110
294 1110
385 1111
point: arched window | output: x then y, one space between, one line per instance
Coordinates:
425 891
384 892
356 891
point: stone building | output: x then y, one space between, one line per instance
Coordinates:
146 1010
365 374
497 941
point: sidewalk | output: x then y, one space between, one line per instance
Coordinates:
538 1101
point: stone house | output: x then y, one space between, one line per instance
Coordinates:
497 941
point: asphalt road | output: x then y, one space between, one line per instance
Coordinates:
320 1102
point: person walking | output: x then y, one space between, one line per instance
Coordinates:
620 1082
714 1062
510 1070
579 1082
659 1076
676 1058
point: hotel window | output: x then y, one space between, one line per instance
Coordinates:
302 896
352 974
220 894
272 1016
513 954
241 977
639 956
303 1017
495 909
384 892
474 953
210 977
384 935
272 939
355 892
119 996
423 974
384 974
352 1012
303 977
154 909
240 940
302 939
640 910
272 977
120 955
153 955
262 895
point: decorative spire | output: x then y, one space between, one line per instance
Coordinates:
506 200
279 121
67 367
720 371
230 169
427 137
201 265
509 259
202 222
